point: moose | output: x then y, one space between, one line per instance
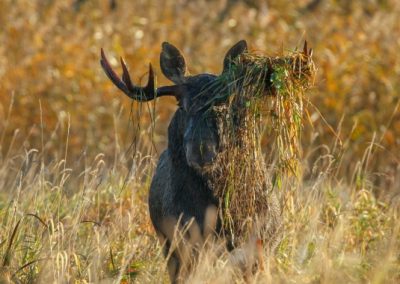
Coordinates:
182 186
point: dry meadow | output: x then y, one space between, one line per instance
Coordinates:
77 156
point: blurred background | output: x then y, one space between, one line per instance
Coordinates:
55 97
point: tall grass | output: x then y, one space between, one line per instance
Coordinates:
58 224
75 170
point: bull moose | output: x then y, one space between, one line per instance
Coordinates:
182 186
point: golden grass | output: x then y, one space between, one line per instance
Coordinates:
73 197
99 230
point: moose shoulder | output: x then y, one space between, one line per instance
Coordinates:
182 186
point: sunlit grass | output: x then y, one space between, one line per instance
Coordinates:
61 225
75 170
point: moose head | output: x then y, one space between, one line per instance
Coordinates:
198 121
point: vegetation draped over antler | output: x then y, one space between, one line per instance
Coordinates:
242 182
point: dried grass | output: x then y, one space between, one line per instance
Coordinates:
242 180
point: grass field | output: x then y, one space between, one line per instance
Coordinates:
77 156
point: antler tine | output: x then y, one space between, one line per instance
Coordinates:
126 78
105 64
150 87
305 49
310 52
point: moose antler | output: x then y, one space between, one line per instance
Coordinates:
143 94
307 52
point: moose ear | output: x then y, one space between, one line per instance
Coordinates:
172 63
233 53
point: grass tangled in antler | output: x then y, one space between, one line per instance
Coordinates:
255 83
